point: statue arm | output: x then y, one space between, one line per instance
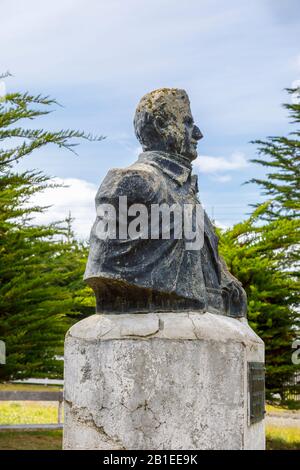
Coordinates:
233 291
233 294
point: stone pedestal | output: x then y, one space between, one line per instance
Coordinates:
160 381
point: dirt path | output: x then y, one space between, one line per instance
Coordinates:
291 420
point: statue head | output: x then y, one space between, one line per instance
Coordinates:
163 121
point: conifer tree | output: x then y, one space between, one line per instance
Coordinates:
41 266
263 252
281 156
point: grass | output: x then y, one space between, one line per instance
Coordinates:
46 412
29 388
272 408
28 412
279 438
34 440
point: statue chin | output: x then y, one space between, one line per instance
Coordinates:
190 153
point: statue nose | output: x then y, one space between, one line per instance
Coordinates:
197 134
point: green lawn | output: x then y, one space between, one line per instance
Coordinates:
282 409
29 388
28 412
277 438
34 440
282 438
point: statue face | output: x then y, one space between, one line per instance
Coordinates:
191 134
163 121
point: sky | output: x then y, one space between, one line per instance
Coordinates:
98 58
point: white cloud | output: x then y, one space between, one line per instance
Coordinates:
110 53
91 47
222 225
77 198
138 150
209 164
222 178
296 84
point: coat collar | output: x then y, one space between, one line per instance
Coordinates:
175 166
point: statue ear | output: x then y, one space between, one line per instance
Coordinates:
159 123
146 129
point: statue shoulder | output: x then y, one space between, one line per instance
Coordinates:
140 183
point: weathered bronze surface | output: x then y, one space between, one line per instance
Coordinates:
144 275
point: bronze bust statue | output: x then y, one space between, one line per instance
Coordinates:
148 274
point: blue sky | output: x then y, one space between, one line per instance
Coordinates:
98 58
